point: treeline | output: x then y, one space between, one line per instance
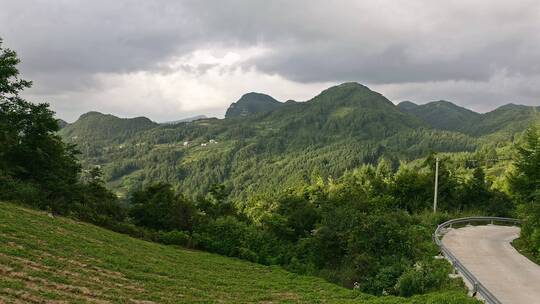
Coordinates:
369 229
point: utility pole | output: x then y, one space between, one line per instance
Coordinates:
436 185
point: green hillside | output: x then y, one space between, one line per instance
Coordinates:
500 124
442 115
338 130
58 260
505 120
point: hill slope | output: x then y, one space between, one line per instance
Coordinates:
54 260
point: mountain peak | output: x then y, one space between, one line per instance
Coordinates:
442 114
443 102
512 106
98 126
407 105
260 96
90 114
349 86
93 115
252 103
352 94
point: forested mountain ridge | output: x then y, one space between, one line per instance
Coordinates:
441 114
444 115
339 129
97 126
507 119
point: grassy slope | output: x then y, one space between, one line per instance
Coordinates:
58 260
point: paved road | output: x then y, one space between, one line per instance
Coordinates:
486 252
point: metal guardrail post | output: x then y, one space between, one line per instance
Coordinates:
477 287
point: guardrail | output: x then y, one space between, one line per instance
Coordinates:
477 287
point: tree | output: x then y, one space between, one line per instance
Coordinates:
525 187
10 86
525 181
30 151
159 207
10 83
98 204
216 202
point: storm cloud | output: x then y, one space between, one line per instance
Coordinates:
170 59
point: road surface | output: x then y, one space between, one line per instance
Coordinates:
487 253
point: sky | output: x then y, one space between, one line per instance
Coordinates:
168 60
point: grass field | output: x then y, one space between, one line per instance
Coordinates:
59 260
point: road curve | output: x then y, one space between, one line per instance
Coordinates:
487 253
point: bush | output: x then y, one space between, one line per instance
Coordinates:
20 192
174 237
247 254
421 278
223 235
232 237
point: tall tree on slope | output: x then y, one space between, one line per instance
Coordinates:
35 165
525 186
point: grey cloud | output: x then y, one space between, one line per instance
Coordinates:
64 43
312 40
60 39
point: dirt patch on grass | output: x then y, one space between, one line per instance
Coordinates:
89 287
141 301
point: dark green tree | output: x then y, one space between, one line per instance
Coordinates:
525 181
525 186
159 207
98 204
31 153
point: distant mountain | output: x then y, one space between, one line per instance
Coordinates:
342 111
442 114
252 103
188 119
503 121
507 119
273 146
95 126
407 106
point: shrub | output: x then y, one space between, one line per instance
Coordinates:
174 237
223 235
421 278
